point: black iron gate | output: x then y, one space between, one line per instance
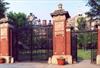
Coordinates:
33 43
89 43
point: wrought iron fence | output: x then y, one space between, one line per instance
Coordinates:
33 44
87 43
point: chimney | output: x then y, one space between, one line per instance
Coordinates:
44 22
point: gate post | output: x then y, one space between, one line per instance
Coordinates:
68 44
61 36
98 47
5 41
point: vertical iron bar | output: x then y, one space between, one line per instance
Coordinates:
16 45
31 42
91 48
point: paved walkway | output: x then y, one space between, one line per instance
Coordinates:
83 64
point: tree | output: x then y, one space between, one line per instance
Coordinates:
81 23
3 8
84 38
18 19
94 12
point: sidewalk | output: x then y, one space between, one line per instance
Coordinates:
83 64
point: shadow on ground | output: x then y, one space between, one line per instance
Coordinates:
79 59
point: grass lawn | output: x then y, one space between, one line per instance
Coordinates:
83 55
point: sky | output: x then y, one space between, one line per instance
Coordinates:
42 8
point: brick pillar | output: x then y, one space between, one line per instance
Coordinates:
5 41
68 41
61 37
98 47
68 44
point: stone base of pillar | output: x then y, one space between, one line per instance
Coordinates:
98 59
8 59
68 59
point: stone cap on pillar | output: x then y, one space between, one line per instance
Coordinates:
4 21
60 11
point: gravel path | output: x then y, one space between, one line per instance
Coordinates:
83 64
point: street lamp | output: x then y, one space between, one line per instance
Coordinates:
31 18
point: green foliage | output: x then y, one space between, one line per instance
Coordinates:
82 55
81 27
81 23
94 12
3 8
17 18
86 39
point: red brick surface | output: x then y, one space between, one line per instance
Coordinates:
68 43
98 51
4 47
4 41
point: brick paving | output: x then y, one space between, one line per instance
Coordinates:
83 64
